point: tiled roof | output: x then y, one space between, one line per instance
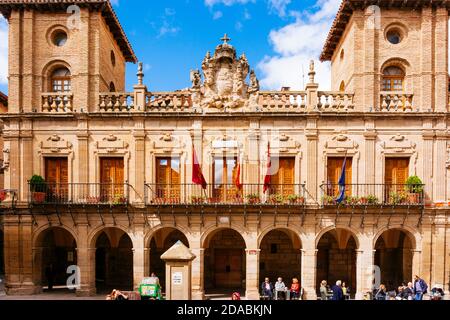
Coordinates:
3 98
6 6
347 8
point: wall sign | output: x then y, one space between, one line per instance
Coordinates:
177 278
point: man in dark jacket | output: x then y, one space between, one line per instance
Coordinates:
338 294
420 287
408 292
267 289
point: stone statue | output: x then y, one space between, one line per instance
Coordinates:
254 82
196 79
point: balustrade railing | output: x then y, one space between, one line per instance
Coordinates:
57 102
283 100
116 102
396 102
335 101
168 101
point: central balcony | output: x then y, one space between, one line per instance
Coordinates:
79 194
225 194
392 195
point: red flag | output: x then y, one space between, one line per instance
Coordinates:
197 175
267 178
237 179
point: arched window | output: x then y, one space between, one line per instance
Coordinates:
342 87
60 80
112 87
393 78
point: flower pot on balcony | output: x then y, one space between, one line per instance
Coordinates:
363 201
39 197
413 198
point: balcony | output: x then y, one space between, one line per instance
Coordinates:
248 194
335 101
392 101
79 194
392 195
59 102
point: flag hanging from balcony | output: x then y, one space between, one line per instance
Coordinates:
197 175
267 178
237 178
341 196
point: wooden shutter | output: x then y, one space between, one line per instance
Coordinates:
283 179
112 178
334 170
396 173
168 178
57 177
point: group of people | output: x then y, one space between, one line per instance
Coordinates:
411 291
340 291
280 290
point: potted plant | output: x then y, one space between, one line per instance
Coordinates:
197 199
293 198
352 200
276 198
38 188
414 188
253 198
372 200
119 199
397 198
328 200
93 200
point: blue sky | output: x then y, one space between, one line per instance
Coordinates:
171 37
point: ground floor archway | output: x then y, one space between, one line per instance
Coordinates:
55 250
113 260
280 256
224 261
160 242
394 257
336 259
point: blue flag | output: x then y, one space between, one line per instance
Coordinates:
341 196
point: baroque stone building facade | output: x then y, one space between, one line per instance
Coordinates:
118 166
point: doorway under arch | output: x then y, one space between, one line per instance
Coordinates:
280 256
113 260
394 257
336 259
224 261
55 251
160 242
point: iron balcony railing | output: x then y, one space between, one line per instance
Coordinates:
79 193
374 195
224 194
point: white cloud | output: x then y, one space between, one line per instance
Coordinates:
3 50
167 28
217 15
279 6
238 26
295 45
211 3
115 2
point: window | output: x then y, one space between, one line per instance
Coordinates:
394 36
393 78
282 182
59 38
395 176
334 170
112 87
60 80
112 179
113 59
225 172
168 179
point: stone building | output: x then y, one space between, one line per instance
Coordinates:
118 166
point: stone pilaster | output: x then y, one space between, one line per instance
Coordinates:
425 257
369 157
86 263
441 60
428 137
311 159
370 89
416 262
139 164
28 156
426 48
440 168
253 154
252 274
198 288
365 272
138 257
438 262
83 156
28 62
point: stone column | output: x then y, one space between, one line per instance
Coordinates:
365 272
37 269
311 159
14 62
416 262
309 273
252 274
147 256
86 263
441 60
138 257
438 265
422 266
447 262
198 288
82 175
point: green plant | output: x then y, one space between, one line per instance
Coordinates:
414 184
328 200
119 199
372 199
38 184
276 198
253 198
397 197
351 200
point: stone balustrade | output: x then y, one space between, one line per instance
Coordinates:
396 102
283 100
57 102
335 101
116 102
168 101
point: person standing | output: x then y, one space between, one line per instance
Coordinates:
323 290
420 288
408 292
338 294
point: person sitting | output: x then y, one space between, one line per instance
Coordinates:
267 289
381 293
116 295
401 294
280 288
236 296
408 292
295 289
